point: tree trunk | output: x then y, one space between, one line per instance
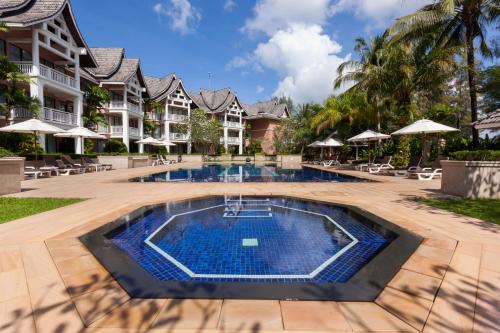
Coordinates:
472 83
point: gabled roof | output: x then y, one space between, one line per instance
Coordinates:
269 109
215 101
490 121
159 89
128 67
108 60
19 13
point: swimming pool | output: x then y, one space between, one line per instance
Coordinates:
247 173
279 247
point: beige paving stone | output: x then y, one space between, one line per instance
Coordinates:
12 285
442 255
252 315
10 258
369 317
87 281
16 316
487 311
94 305
411 309
416 284
135 314
311 315
78 264
491 261
453 308
426 266
188 314
446 244
472 249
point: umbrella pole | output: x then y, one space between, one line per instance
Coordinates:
36 150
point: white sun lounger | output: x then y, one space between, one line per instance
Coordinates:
429 174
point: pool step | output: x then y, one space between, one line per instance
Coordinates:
247 208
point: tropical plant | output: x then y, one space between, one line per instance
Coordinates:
115 146
285 136
96 99
454 23
490 88
204 131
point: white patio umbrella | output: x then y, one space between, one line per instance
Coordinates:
315 144
148 141
330 142
368 136
80 132
424 127
32 126
163 142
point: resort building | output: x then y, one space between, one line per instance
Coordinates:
263 118
224 105
174 102
44 40
123 78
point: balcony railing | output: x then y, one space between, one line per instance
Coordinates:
48 73
101 128
22 113
119 105
231 140
233 124
178 136
116 130
60 117
134 131
176 117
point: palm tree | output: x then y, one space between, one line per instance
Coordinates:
96 99
454 22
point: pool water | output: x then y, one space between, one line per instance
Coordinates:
258 239
247 173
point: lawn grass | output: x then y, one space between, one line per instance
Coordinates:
483 209
15 208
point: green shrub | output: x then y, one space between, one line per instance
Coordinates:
476 155
115 146
402 153
6 153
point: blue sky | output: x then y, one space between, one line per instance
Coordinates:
258 48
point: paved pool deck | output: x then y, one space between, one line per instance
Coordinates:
49 282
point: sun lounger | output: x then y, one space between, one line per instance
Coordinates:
385 165
413 166
70 163
429 173
53 164
32 172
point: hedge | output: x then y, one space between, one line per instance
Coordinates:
476 155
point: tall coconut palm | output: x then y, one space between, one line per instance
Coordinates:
454 22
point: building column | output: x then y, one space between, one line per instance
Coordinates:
126 129
166 124
141 134
189 143
78 111
35 53
241 136
225 132
77 72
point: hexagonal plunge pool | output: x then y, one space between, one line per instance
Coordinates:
252 247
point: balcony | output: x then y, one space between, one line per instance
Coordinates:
102 129
117 131
120 106
21 114
177 137
176 117
233 140
134 132
233 124
60 117
49 74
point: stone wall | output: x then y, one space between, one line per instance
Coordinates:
471 179
11 174
125 162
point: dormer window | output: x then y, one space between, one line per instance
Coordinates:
51 29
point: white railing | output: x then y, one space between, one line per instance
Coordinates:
102 128
178 136
134 131
118 130
22 113
119 105
48 73
133 108
233 124
57 76
233 139
25 67
116 105
176 117
60 117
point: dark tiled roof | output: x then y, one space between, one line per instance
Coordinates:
31 12
214 101
127 69
491 121
269 109
108 60
12 4
158 86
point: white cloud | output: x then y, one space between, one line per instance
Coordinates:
259 89
305 59
273 15
183 16
229 5
379 12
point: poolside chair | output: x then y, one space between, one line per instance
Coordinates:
332 162
413 166
106 167
429 173
89 162
70 163
382 167
169 161
32 172
371 162
57 166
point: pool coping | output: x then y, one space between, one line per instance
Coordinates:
365 285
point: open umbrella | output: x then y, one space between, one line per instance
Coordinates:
148 141
368 136
32 126
80 132
424 127
164 142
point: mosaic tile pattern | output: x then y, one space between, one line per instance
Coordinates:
247 173
289 243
